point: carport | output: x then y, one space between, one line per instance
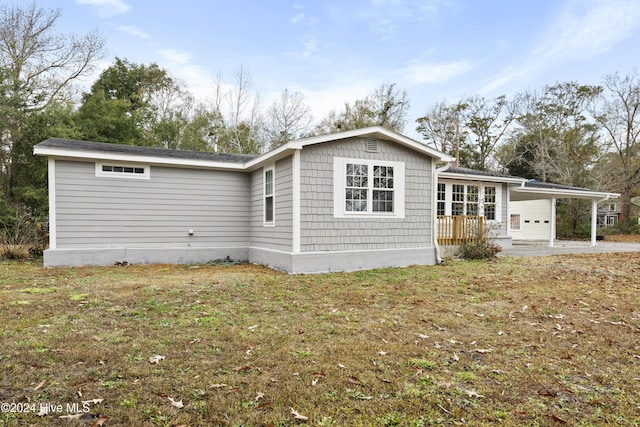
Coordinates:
537 190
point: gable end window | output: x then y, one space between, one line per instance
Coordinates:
364 188
114 170
269 206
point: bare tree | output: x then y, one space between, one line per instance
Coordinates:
618 112
442 128
487 122
239 109
287 118
38 65
386 106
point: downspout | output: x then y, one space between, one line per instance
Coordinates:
434 208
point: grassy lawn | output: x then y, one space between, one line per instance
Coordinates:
537 341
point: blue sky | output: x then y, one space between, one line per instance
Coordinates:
338 51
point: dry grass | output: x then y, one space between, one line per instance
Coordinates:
538 341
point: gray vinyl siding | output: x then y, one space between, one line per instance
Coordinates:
321 231
96 212
280 235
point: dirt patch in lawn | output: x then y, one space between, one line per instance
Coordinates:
530 341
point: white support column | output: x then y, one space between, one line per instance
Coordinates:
552 223
594 221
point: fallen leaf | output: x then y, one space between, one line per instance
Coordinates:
382 353
177 403
342 366
354 380
94 401
424 337
473 393
259 396
298 416
155 359
40 385
101 420
315 381
483 350
221 385
71 417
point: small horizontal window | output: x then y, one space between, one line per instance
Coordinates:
123 171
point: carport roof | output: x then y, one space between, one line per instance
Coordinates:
534 190
523 189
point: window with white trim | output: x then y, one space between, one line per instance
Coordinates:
269 205
515 222
470 199
115 170
368 188
442 198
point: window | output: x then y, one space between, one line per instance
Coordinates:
612 207
442 197
514 223
109 170
368 188
457 205
269 196
611 220
472 199
489 203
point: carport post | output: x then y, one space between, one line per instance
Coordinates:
552 224
594 221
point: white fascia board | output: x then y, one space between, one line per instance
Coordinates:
271 156
566 193
128 158
374 131
485 178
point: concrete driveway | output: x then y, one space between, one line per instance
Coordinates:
541 248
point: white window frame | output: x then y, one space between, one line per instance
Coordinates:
339 187
100 173
515 219
265 195
481 195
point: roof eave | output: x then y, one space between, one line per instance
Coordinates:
560 193
486 178
61 153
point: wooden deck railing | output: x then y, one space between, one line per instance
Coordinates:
456 230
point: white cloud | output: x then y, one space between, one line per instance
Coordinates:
175 57
132 31
588 28
584 30
385 17
432 73
106 8
297 18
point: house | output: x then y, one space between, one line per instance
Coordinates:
608 214
352 200
346 201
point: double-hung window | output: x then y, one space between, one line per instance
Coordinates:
269 207
471 199
368 188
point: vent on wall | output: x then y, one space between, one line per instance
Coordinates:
371 145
